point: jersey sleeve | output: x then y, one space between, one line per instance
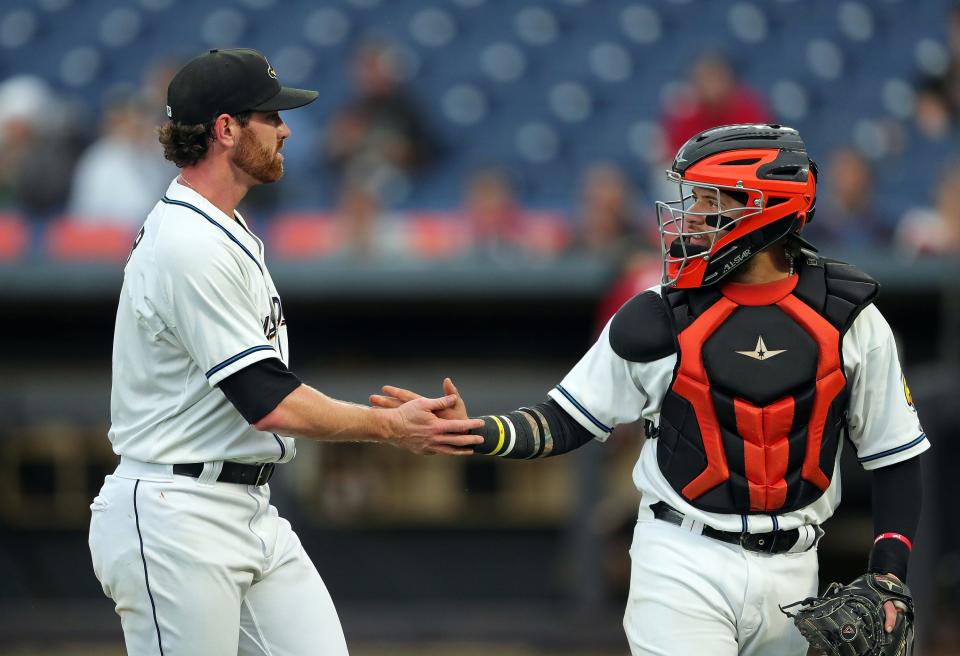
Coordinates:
600 392
211 308
884 426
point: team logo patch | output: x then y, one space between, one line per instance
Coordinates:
761 352
848 632
906 390
272 73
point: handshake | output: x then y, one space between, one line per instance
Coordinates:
430 426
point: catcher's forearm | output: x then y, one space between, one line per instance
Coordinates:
897 493
542 430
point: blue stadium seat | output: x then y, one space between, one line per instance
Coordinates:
622 53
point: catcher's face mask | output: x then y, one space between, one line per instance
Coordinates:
693 227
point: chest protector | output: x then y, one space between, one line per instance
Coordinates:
756 408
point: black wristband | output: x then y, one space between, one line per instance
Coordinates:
509 436
493 433
542 430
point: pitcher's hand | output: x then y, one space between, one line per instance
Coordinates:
422 428
394 397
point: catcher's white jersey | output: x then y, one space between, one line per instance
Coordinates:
197 305
604 390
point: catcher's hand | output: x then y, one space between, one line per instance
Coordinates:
850 620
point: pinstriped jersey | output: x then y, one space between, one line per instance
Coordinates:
197 305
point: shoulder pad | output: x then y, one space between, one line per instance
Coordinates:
849 282
642 330
836 289
849 290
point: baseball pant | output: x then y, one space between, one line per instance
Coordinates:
200 567
692 594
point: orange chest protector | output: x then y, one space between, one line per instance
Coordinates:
755 411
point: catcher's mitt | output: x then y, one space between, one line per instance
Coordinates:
848 620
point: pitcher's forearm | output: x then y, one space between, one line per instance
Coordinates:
307 412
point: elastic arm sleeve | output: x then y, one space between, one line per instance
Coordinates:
258 388
542 430
897 497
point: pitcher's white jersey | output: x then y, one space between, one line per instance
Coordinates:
604 390
197 305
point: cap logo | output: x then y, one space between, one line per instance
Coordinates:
272 73
169 112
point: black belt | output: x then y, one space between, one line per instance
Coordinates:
774 542
232 472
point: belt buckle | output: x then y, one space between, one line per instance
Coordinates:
263 476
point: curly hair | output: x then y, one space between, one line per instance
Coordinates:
185 145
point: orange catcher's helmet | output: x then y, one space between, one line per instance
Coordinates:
741 189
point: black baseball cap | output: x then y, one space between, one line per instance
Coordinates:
229 82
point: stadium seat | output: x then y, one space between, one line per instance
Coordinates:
483 70
14 236
304 235
86 240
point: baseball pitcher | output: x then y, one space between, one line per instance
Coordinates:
204 407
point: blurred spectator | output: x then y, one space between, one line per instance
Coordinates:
642 270
39 145
930 137
379 140
717 98
358 212
155 81
366 227
495 219
606 219
847 214
932 114
948 84
934 230
636 250
122 175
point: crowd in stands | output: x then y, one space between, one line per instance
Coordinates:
62 169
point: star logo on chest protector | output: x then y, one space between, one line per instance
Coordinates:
761 352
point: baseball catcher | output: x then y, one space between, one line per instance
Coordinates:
855 620
752 364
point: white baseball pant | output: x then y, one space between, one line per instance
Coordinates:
200 567
692 594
